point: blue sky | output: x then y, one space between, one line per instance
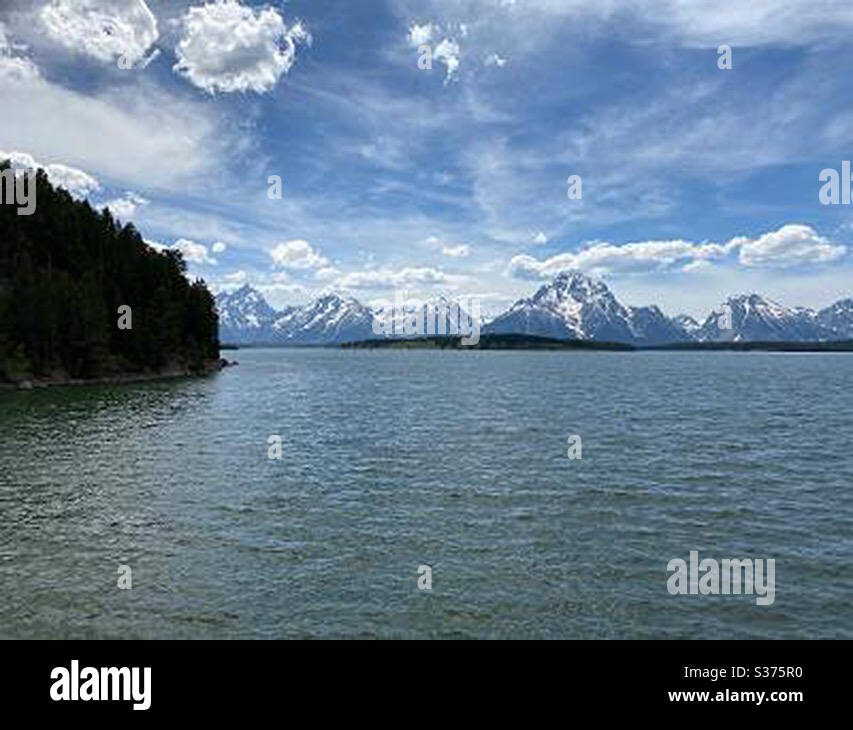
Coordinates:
697 182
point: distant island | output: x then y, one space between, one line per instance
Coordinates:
84 299
487 342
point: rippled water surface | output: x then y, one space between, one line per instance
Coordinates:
457 460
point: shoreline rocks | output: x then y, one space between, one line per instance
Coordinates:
171 371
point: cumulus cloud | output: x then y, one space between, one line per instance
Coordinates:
298 254
125 208
219 247
391 278
75 181
790 245
103 29
493 59
540 239
608 257
459 251
193 252
229 47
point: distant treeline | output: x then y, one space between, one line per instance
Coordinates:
488 342
534 342
64 272
832 346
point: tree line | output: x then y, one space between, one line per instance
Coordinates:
64 272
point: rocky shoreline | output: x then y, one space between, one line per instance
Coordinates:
172 371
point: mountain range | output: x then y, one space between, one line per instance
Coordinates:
573 306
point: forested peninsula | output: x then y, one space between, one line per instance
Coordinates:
83 298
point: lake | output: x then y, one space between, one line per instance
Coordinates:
393 459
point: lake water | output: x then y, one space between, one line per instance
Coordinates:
456 460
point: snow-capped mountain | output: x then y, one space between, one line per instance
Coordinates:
650 326
574 306
687 323
752 318
244 316
838 319
329 318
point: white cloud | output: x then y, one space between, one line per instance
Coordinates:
125 208
390 278
540 239
493 59
791 245
193 252
14 68
608 257
137 135
788 246
448 53
229 47
75 181
103 29
693 23
459 251
237 277
698 266
420 35
328 273
219 247
298 254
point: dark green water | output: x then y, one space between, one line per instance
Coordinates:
451 459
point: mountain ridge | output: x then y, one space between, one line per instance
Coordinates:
572 306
